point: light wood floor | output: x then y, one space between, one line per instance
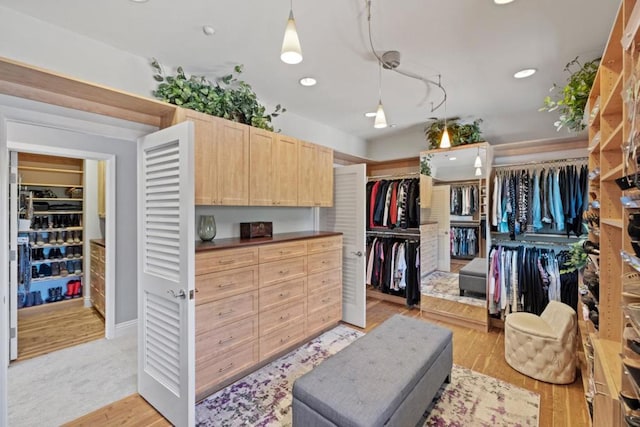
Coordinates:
561 406
50 327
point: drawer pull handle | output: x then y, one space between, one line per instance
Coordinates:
227 262
284 340
326 300
226 340
285 252
284 294
285 317
226 368
284 272
226 285
225 313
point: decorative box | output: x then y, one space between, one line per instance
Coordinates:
249 230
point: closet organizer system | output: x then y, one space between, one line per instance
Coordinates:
536 212
466 231
393 237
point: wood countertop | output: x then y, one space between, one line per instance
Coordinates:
235 242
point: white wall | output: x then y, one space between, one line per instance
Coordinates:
406 143
126 199
39 43
284 219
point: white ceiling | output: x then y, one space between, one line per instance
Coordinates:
475 45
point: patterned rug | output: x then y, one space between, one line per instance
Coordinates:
263 398
443 284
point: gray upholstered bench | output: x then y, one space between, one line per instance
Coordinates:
473 277
386 378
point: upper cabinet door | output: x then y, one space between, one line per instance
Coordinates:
232 162
324 177
204 151
261 167
285 168
307 166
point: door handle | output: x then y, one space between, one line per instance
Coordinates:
359 253
181 293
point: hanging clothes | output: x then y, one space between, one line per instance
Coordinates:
393 203
542 198
524 278
393 267
464 199
464 242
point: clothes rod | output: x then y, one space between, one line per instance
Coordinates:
392 176
393 233
542 163
528 243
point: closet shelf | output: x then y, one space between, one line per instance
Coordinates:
54 245
49 261
55 199
611 222
40 169
50 278
613 104
613 173
614 140
57 212
36 184
46 230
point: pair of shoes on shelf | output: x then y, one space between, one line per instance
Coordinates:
74 289
44 270
33 298
55 294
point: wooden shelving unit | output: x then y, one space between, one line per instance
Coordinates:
609 130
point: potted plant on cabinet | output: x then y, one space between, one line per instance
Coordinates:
229 98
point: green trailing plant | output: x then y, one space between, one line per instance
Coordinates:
578 258
459 133
571 100
229 98
425 164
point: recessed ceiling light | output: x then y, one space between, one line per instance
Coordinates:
452 158
370 114
308 81
502 1
527 72
208 30
139 1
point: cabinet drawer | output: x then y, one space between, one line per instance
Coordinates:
282 250
320 300
218 340
275 318
282 293
212 261
324 244
430 229
280 271
216 286
325 279
228 310
213 371
281 339
322 319
325 261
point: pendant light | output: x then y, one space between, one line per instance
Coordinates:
478 171
478 162
381 118
291 51
445 142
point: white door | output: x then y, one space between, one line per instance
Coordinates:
166 277
13 256
347 216
440 212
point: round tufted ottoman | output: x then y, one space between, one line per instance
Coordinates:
543 347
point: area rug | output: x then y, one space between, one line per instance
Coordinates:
443 284
263 398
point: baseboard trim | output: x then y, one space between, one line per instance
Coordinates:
126 328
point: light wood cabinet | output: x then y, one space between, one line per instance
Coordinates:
262 166
254 303
102 206
285 171
97 277
315 175
428 248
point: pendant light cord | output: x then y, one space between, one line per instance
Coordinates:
380 82
426 81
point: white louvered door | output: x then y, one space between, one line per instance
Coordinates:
347 216
166 275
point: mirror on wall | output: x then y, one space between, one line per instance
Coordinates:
454 225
